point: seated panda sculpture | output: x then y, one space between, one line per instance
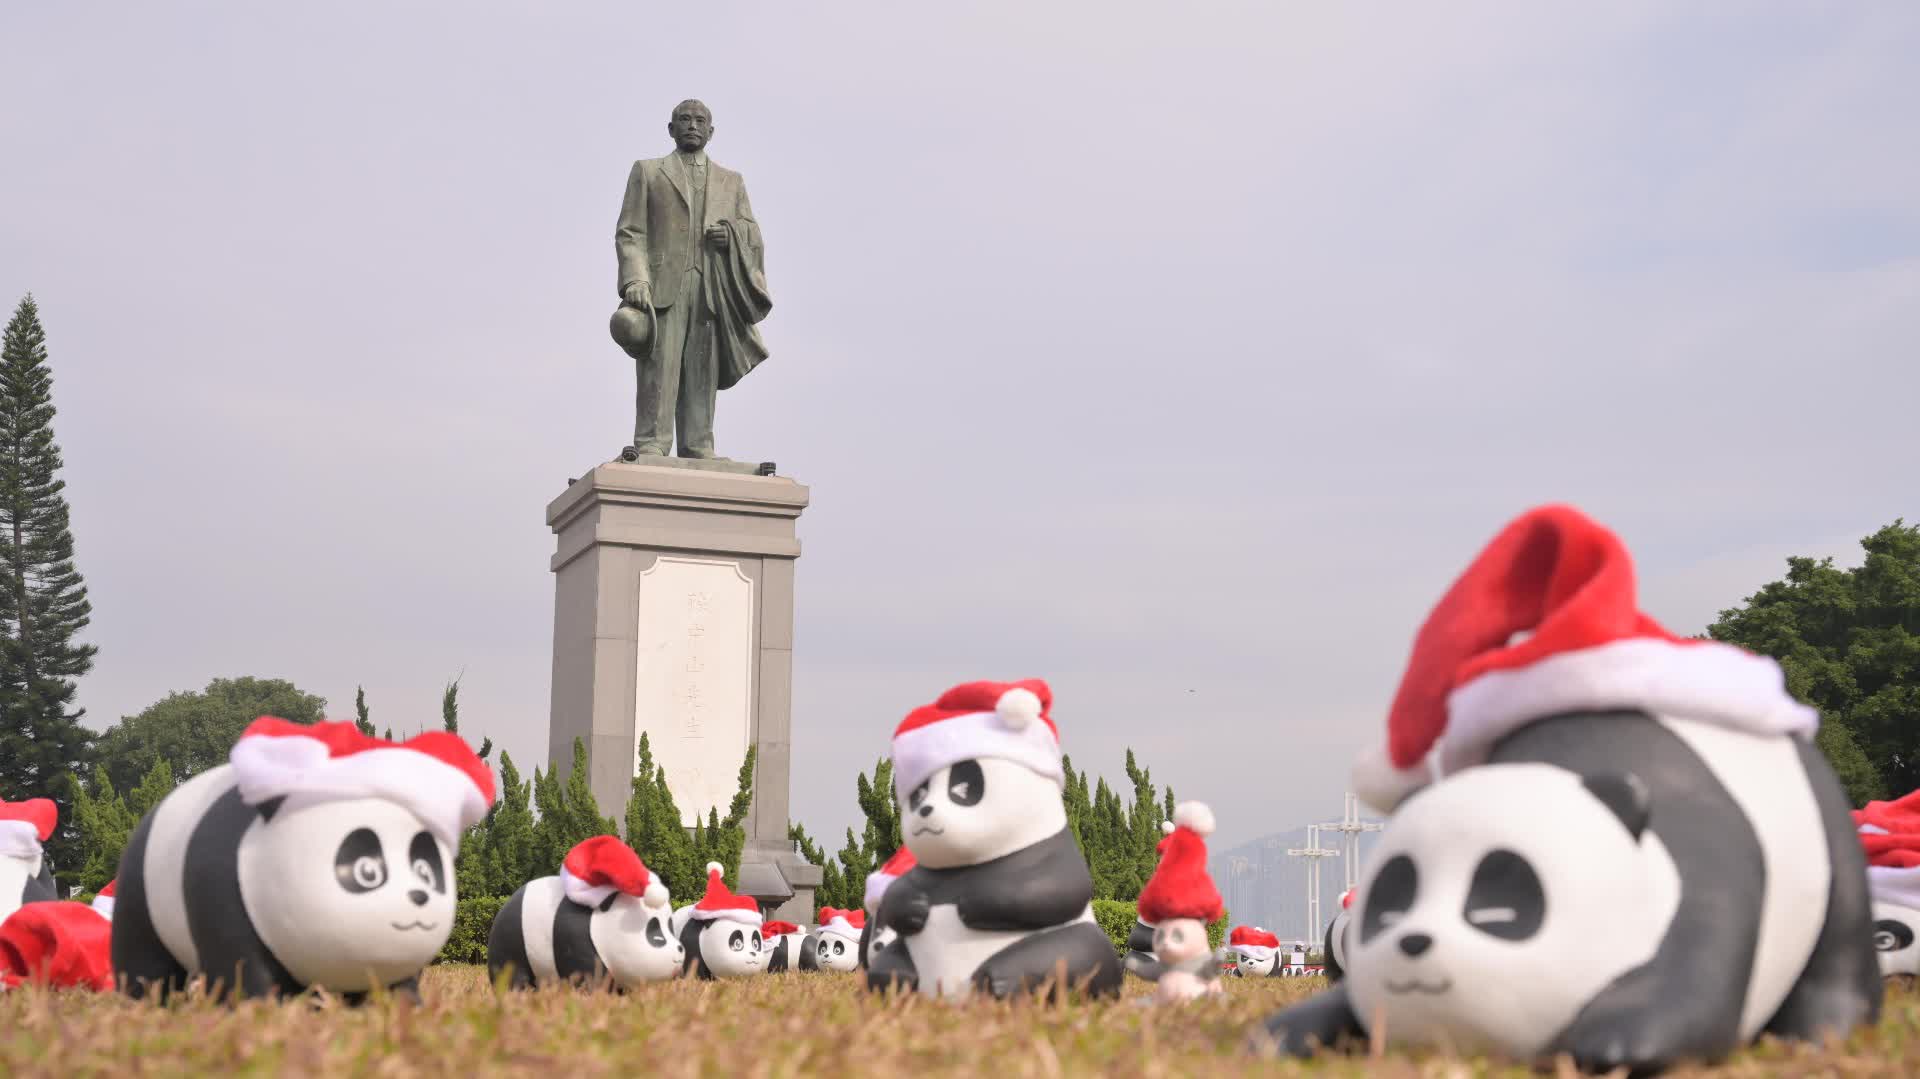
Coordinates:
872 938
721 933
785 945
1256 952
603 918
25 875
56 944
1000 899
836 944
1633 854
1333 949
1890 835
317 857
1180 899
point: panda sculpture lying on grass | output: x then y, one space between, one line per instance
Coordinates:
1256 952
1890 835
1333 949
603 917
317 857
721 933
1636 856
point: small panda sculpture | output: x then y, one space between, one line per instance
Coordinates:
1334 948
317 857
786 946
25 876
1180 900
1000 899
873 938
721 933
836 944
1256 951
56 945
604 917
1890 835
1634 854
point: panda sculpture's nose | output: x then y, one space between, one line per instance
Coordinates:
419 897
1415 944
926 810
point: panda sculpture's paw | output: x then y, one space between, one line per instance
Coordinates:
908 915
1641 1044
1324 1022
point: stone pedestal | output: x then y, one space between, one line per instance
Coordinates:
673 616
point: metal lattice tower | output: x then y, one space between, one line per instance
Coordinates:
1313 852
1350 827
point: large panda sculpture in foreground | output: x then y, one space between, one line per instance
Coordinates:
316 857
1001 896
1635 856
25 876
1890 835
721 933
604 917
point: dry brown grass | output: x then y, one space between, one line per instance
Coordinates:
778 1025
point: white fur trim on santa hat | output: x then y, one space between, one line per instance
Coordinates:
587 895
1895 885
1195 817
1704 681
103 904
877 885
1253 951
840 927
19 839
441 795
922 751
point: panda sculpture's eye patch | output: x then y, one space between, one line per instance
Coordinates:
655 935
360 865
919 795
1505 899
737 941
1390 896
966 783
756 940
839 947
1892 936
427 867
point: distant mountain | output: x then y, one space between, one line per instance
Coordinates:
1263 886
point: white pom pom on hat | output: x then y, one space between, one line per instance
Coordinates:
1017 708
1166 827
1195 816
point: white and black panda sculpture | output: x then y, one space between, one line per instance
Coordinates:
1890 836
317 857
1000 898
1333 949
836 943
786 947
1634 855
721 933
25 875
873 938
604 918
1256 952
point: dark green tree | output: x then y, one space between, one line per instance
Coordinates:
1849 642
362 715
567 811
193 731
43 601
509 836
679 854
104 820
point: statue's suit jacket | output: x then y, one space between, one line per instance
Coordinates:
655 240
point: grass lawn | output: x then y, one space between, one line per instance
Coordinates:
775 1025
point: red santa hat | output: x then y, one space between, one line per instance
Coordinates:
1567 582
1346 899
778 929
1006 720
57 945
1180 886
1253 942
603 866
103 900
719 902
843 923
26 825
1890 832
881 878
435 775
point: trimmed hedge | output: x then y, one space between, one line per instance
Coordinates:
472 921
1117 919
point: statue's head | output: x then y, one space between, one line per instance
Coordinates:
691 126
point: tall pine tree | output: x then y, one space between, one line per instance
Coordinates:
43 601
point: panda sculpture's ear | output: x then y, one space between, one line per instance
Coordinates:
607 903
1623 793
269 807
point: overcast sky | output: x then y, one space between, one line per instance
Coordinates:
1178 354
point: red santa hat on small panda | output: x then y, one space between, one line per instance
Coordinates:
25 825
57 945
1346 899
1253 942
1180 886
879 880
597 869
845 924
1890 832
1005 720
103 900
1567 583
778 929
721 903
435 775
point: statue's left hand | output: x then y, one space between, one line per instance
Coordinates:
717 236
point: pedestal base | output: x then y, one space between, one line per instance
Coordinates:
673 617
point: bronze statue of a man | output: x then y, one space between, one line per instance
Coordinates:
692 288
